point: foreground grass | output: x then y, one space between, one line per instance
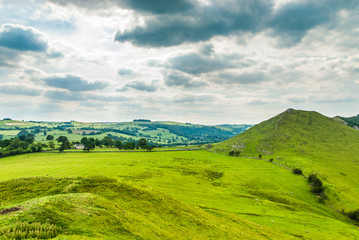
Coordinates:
255 196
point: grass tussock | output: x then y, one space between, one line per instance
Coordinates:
25 230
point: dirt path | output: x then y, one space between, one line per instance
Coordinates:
9 210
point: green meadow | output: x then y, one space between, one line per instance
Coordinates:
161 195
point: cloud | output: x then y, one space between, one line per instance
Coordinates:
241 78
153 6
8 57
124 72
187 98
159 6
173 79
206 49
19 89
64 96
21 38
195 64
201 23
72 82
142 86
288 24
294 19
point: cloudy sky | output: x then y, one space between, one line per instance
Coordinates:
199 61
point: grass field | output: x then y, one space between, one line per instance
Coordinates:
234 197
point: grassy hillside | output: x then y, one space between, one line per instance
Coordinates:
99 207
311 142
168 195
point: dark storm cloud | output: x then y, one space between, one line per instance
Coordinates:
159 6
152 6
73 83
200 23
22 38
289 24
173 79
141 86
292 21
18 89
197 64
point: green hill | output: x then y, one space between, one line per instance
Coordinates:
351 121
311 142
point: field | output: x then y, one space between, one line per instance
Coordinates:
159 133
226 197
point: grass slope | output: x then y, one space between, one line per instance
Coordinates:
311 142
204 196
99 207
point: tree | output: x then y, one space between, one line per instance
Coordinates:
142 143
98 142
130 145
51 144
84 140
64 145
149 148
118 144
107 141
50 137
23 133
89 146
30 138
62 139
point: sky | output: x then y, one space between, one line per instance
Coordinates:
198 61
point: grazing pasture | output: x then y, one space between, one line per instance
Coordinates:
242 195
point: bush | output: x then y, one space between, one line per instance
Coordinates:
271 160
297 171
231 153
317 186
354 215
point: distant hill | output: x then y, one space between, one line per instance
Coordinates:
351 121
165 133
309 141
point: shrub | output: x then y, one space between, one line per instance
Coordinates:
271 160
297 171
231 153
354 215
317 186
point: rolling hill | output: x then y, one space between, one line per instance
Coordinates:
164 133
351 121
311 142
